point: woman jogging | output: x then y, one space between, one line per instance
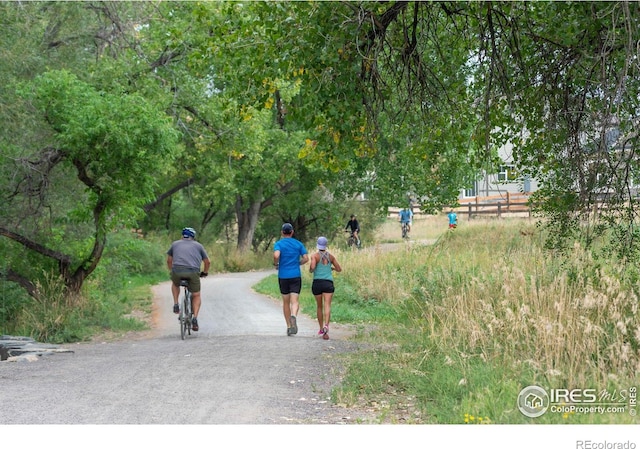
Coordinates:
322 263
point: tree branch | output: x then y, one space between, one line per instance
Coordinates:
22 281
160 198
40 249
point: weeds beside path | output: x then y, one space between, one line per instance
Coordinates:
457 329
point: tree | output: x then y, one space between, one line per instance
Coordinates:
233 102
115 144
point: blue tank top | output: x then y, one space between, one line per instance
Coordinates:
323 271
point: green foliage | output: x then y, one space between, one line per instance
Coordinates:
128 255
116 141
286 110
116 289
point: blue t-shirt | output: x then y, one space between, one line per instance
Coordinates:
453 218
290 252
405 215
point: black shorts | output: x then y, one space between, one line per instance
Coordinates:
321 286
291 285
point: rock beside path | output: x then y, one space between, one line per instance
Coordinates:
25 349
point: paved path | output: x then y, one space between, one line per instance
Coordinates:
240 368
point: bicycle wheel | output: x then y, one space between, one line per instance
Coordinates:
185 314
183 323
189 313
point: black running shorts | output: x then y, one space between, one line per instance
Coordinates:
291 285
321 286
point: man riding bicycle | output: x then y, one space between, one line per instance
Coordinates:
354 226
184 259
404 217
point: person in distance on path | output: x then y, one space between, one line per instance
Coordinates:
354 227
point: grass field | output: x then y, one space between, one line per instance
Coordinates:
458 323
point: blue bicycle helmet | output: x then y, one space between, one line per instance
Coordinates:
189 233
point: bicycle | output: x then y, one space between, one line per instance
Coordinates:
186 313
351 241
405 230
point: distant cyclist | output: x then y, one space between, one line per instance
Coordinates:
184 260
354 227
453 219
405 216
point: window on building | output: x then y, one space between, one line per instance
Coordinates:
507 173
472 191
469 193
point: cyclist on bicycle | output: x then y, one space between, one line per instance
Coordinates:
453 219
404 217
354 226
184 259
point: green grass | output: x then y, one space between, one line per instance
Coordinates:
461 325
349 307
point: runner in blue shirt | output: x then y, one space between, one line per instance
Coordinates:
288 255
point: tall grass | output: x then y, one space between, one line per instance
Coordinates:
484 312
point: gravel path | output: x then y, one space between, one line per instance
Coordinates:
240 368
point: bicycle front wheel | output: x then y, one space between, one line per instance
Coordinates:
183 325
188 313
184 315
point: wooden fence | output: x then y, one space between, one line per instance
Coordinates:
495 205
498 205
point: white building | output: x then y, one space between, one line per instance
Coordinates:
506 179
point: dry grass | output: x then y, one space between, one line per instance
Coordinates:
487 298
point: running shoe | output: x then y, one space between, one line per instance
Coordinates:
294 325
194 324
321 332
176 308
325 333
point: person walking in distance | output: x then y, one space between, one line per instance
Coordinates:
322 264
288 255
184 259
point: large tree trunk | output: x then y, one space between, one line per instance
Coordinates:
247 216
